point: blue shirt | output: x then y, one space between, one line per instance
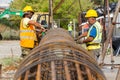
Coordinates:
93 32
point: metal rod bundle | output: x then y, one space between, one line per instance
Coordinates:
58 57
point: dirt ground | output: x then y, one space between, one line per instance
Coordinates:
9 51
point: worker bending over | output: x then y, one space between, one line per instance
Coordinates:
94 34
27 31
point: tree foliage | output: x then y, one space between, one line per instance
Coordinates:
69 9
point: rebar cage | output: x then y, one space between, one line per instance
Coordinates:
58 57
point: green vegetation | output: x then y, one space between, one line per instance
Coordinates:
10 28
69 9
9 61
14 24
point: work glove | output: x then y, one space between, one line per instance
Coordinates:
80 41
42 28
75 39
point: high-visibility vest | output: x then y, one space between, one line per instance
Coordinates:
69 27
27 35
95 44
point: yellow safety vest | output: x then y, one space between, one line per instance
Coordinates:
95 44
27 36
69 27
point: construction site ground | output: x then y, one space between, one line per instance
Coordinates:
11 49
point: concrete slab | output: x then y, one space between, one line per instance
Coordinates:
111 74
9 48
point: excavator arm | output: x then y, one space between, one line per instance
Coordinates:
10 12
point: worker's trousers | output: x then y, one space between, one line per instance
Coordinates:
95 53
25 51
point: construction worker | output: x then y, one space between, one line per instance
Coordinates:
94 34
27 31
70 26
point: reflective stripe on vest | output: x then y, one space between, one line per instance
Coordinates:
26 31
98 37
26 37
92 47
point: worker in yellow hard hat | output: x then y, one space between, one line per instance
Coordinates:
94 34
28 10
70 28
27 31
91 13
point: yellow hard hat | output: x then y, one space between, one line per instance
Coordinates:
28 8
70 22
91 13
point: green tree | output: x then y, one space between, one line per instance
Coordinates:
69 9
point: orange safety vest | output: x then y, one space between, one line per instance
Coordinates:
27 35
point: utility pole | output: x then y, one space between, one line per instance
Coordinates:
104 30
104 25
50 13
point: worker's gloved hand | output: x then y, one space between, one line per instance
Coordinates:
75 39
43 29
80 41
